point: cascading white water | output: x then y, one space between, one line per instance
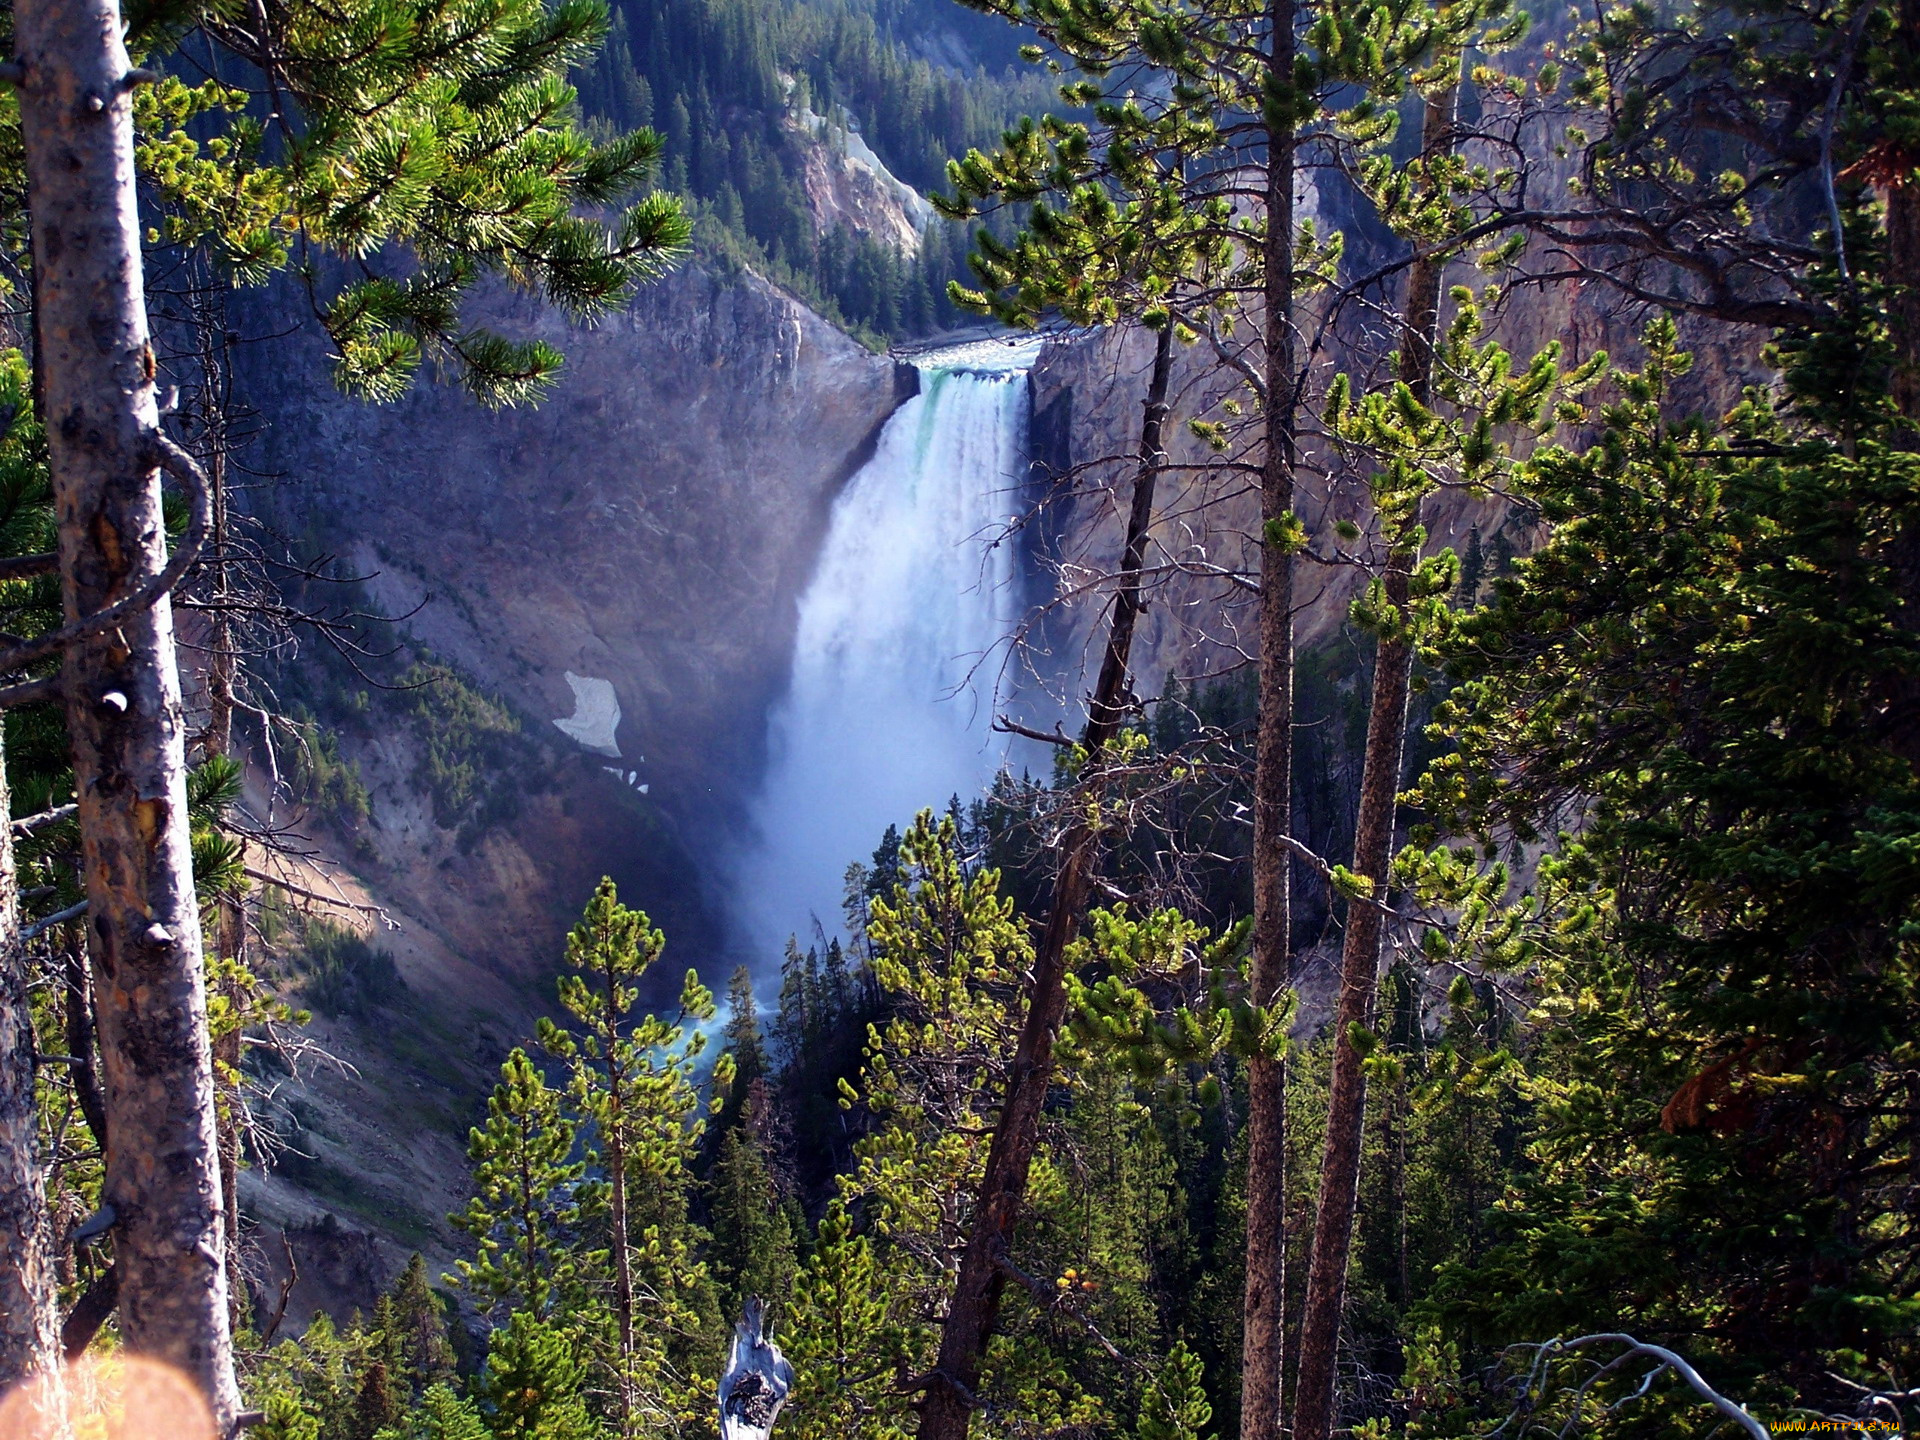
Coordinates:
889 706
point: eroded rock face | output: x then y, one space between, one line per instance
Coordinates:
848 187
647 527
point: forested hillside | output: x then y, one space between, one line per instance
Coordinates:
1433 947
732 84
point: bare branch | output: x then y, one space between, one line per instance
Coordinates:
176 462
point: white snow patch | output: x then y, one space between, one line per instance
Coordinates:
596 714
632 777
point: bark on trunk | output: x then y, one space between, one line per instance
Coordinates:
623 1275
1315 1401
89 1314
123 694
29 1323
948 1407
1263 1297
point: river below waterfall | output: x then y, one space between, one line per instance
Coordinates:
890 703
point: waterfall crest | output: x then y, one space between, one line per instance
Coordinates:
889 706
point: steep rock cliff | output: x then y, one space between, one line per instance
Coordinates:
645 528
1088 389
622 558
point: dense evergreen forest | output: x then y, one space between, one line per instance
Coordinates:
1468 990
730 83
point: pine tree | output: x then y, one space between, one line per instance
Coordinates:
440 1414
1175 1406
525 1211
375 1406
535 1383
752 1248
741 1034
1147 174
1716 1029
318 1376
947 949
795 1021
283 1417
853 908
1123 231
836 987
419 1321
843 1341
511 205
884 873
1416 202
632 1079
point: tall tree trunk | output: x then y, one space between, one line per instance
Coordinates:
975 1306
1315 1405
29 1323
1263 1298
226 1054
230 934
622 1270
1398 1113
123 694
1903 252
617 1204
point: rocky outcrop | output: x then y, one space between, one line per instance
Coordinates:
848 187
647 524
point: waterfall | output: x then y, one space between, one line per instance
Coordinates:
889 707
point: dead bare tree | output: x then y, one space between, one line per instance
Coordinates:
757 1380
1559 1389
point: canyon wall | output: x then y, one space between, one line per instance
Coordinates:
643 530
623 558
